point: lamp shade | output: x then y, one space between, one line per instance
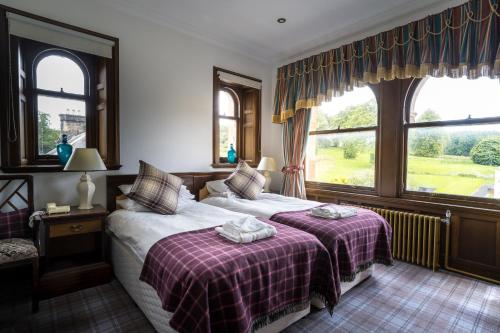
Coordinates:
85 159
267 164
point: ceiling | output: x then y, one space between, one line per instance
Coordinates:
249 26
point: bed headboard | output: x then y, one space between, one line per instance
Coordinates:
194 181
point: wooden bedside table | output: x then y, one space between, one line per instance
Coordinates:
75 251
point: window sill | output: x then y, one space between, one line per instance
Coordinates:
404 202
229 165
224 165
339 188
43 168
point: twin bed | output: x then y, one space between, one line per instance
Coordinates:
214 284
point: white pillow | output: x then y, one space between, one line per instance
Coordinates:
217 186
185 198
125 188
185 194
131 205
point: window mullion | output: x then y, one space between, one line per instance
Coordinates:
344 130
60 94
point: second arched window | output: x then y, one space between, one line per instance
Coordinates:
342 140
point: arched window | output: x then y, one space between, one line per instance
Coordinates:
229 112
452 130
58 80
60 98
341 147
236 118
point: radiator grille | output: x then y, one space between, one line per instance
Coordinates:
415 237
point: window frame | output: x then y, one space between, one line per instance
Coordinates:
106 137
237 91
34 55
406 125
352 188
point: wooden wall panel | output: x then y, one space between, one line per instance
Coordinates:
475 244
250 126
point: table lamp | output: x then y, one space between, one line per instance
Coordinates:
267 164
85 159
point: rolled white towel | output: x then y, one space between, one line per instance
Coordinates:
245 224
246 230
334 212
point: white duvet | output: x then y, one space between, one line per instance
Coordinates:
266 205
140 230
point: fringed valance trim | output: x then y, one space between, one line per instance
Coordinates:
461 41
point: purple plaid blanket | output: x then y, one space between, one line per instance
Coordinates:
213 285
354 243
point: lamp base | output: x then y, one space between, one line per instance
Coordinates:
267 184
85 189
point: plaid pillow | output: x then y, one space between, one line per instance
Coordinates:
14 224
156 189
245 181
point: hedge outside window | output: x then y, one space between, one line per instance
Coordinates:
452 128
342 140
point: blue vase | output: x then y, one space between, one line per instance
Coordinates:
64 150
231 154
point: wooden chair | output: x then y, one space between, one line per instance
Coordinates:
18 244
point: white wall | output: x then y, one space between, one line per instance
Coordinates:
165 94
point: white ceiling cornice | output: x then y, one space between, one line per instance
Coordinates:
226 42
279 46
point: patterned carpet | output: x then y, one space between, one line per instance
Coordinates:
402 298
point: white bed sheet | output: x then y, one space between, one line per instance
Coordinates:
266 205
141 230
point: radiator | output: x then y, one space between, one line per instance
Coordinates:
415 237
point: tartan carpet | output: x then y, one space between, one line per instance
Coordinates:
400 298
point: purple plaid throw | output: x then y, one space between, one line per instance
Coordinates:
354 243
213 285
14 224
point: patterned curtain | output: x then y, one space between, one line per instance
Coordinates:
295 135
459 41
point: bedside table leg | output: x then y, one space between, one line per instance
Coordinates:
34 292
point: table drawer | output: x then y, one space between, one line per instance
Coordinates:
75 228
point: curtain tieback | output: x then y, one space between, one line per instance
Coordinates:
292 169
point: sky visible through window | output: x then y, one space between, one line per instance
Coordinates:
56 72
226 104
60 115
356 97
455 99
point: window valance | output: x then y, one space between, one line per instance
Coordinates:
26 27
460 41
